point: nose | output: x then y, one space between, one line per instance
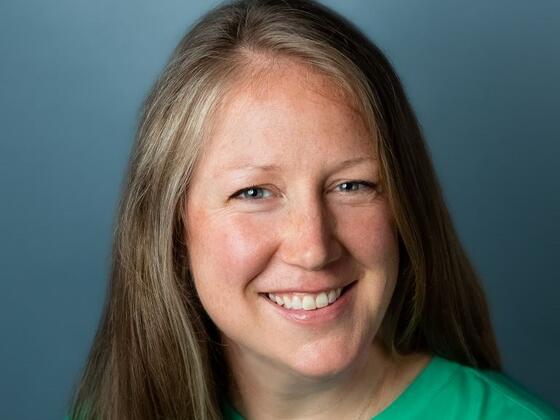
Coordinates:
308 238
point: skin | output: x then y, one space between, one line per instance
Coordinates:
312 221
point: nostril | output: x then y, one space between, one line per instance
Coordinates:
311 254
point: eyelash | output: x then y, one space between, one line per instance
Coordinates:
366 184
246 190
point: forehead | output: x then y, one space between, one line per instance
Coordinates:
274 104
266 79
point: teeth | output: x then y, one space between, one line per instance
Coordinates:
322 300
296 302
307 302
287 302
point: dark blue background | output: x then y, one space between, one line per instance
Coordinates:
483 77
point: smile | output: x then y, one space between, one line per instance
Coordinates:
306 301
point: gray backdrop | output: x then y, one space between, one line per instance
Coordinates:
482 75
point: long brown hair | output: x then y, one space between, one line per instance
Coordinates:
155 354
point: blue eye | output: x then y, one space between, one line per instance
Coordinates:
252 193
352 186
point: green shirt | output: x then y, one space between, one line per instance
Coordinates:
448 390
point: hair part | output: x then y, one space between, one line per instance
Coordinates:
156 353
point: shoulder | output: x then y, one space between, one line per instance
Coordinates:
474 393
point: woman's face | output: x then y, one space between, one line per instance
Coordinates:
285 204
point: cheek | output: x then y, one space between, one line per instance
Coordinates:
371 237
226 251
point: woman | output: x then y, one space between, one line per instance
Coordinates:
283 249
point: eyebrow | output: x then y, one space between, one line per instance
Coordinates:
271 168
354 161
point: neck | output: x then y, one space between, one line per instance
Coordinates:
262 390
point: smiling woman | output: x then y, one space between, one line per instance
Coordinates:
297 235
283 249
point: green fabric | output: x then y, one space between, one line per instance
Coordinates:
448 390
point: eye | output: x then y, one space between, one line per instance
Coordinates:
356 186
252 193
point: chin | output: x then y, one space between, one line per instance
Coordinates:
324 361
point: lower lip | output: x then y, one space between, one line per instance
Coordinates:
317 316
